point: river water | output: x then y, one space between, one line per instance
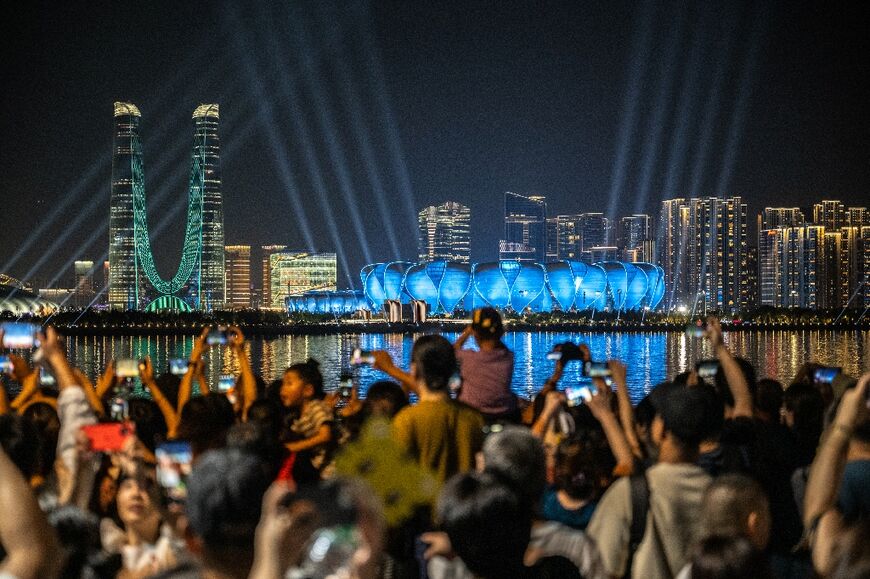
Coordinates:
650 357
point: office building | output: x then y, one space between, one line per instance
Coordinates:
631 234
445 233
127 152
569 242
206 152
552 253
266 287
293 273
134 282
525 228
238 276
83 287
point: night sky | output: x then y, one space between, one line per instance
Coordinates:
339 120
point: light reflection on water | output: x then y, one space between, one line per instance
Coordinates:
650 357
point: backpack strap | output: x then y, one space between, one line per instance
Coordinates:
639 509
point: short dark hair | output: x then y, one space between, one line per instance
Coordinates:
690 414
768 397
517 457
487 523
487 324
719 557
309 372
205 421
20 441
728 502
389 391
224 498
435 360
150 423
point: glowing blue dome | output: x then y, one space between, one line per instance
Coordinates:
441 284
577 285
384 281
509 284
655 284
565 285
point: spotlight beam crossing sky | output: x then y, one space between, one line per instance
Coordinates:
346 117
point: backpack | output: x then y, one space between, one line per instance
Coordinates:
639 509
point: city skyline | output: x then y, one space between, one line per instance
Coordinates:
340 120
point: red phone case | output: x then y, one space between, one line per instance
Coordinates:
109 436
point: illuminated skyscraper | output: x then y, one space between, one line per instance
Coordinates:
552 239
857 217
83 289
792 267
266 298
525 228
703 252
569 241
631 233
206 148
829 214
123 278
238 280
296 272
671 248
444 233
134 282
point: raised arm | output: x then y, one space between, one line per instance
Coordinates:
90 392
247 381
54 355
384 363
463 337
31 547
626 411
827 468
146 374
186 386
28 378
552 403
601 409
733 373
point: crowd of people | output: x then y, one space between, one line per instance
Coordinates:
712 475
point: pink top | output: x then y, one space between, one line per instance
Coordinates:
486 380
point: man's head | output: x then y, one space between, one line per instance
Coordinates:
433 362
517 457
684 417
487 522
734 505
487 325
224 500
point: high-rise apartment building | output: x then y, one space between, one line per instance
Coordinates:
791 263
266 296
525 228
829 214
445 233
238 276
857 217
703 251
296 272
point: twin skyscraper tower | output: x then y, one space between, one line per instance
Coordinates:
134 283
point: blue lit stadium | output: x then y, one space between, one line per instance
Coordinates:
446 286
